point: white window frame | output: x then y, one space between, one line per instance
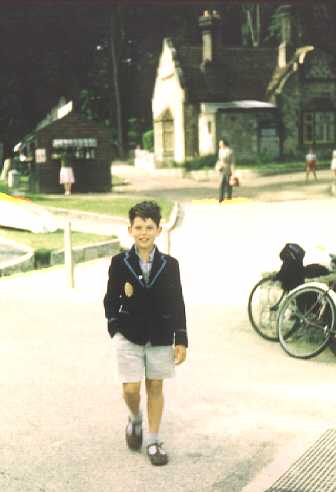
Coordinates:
318 127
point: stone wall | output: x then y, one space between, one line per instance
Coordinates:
242 129
80 253
24 263
290 109
309 87
86 253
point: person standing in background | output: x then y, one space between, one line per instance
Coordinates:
226 166
333 163
67 177
311 163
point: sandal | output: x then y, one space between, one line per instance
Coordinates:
156 454
133 438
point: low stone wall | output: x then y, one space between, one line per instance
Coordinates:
26 262
22 264
86 253
23 258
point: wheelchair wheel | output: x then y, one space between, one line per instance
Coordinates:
305 320
332 343
263 303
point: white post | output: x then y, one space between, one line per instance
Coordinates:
333 187
68 257
168 241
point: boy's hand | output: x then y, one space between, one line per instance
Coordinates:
180 354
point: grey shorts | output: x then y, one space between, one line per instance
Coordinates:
136 361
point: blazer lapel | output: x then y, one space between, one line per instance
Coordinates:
159 263
132 262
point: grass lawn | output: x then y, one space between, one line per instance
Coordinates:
101 203
51 241
282 167
262 168
108 204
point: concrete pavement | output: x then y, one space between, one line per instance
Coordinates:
259 188
234 407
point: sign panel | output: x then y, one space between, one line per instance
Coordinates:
40 155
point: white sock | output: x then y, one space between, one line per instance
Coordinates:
136 421
152 437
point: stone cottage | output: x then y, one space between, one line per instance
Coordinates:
268 102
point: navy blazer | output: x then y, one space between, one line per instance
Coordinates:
143 312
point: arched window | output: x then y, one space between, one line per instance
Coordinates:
164 136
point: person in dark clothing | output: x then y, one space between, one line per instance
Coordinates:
226 166
145 310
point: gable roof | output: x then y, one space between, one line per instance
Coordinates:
240 73
281 74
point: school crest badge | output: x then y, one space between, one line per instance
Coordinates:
128 289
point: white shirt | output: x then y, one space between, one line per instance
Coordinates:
146 266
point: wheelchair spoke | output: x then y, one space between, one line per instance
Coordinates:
263 304
305 321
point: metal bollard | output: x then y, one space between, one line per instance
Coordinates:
68 256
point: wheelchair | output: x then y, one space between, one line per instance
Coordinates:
297 305
306 320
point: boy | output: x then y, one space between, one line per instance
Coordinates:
145 310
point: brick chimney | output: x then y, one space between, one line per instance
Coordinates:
209 23
286 47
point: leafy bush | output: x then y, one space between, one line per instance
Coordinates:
148 140
201 162
42 257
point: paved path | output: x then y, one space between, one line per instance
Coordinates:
232 407
260 188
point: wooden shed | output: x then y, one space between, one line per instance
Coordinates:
88 143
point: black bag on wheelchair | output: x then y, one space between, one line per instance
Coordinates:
314 270
291 273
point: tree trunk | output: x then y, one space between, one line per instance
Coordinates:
254 24
115 59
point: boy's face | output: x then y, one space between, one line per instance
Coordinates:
144 233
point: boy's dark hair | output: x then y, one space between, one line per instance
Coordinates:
145 210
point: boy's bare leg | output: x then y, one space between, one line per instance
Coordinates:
155 403
133 433
131 393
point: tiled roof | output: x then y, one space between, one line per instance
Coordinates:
239 73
